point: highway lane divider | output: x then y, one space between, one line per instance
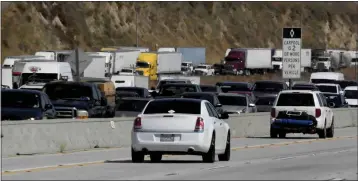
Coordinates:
63 135
82 164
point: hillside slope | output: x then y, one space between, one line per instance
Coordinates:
31 26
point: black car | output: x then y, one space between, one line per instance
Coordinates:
211 88
141 91
268 87
337 100
237 87
176 90
19 104
131 106
346 83
264 104
305 86
222 69
209 96
69 97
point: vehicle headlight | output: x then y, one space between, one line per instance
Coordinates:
82 114
31 119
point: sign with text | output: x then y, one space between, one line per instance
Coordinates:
291 53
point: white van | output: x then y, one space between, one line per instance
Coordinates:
326 77
42 72
10 61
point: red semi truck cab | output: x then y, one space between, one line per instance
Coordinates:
236 58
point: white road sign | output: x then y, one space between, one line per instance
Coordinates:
291 53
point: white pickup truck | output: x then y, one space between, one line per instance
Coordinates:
301 111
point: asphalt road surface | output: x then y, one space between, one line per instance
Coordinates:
297 157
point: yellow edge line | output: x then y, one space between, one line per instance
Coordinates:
166 156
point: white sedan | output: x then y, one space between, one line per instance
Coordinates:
180 126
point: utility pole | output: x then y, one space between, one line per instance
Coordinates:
136 23
77 77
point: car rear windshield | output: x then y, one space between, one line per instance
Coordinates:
325 88
303 88
295 99
265 101
202 97
174 90
232 100
351 94
20 100
129 89
208 88
179 106
68 91
234 87
268 86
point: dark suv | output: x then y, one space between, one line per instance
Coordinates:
68 97
268 88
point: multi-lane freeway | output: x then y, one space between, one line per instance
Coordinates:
296 157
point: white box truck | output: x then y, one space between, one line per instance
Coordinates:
10 60
107 55
130 81
169 62
306 60
193 79
124 59
96 68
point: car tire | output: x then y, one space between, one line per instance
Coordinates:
282 134
155 157
273 133
209 157
330 131
322 133
137 156
226 155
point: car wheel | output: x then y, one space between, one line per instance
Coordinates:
282 135
209 157
155 157
322 133
330 131
137 156
226 155
273 133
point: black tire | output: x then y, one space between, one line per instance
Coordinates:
137 156
282 134
156 157
322 133
330 131
209 157
273 133
226 155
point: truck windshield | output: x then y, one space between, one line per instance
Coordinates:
40 77
67 91
351 94
142 65
318 81
20 100
201 67
323 59
127 70
325 88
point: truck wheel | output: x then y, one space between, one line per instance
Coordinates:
273 133
155 157
282 135
322 133
330 131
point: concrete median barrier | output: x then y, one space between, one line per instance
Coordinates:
60 135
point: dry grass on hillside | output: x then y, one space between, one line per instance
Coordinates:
31 26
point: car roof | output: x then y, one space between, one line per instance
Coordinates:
70 83
303 84
178 99
231 82
232 95
298 91
179 84
351 88
201 85
130 88
327 84
199 93
176 80
267 96
22 90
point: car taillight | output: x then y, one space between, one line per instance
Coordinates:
273 112
199 126
137 123
16 73
318 113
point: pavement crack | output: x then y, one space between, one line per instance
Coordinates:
171 174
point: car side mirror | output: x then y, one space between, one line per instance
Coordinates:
218 105
224 115
252 105
48 106
331 105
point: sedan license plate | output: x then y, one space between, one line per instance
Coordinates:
167 137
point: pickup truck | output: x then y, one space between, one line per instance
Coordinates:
301 111
69 98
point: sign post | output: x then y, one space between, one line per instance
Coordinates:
291 54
